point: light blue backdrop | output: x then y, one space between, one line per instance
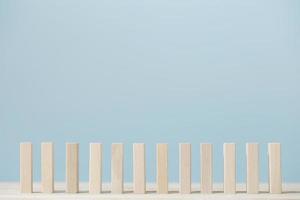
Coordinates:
150 71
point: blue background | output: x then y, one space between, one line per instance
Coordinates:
149 71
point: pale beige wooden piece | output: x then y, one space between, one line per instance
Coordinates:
229 168
26 169
252 151
162 168
47 167
72 168
185 168
117 157
206 183
139 168
95 168
275 179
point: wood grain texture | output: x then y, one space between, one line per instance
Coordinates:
206 157
275 179
26 169
72 168
229 168
117 157
252 152
162 168
185 168
47 167
95 168
139 168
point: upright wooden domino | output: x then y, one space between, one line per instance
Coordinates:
206 157
252 152
72 168
229 168
185 168
162 168
95 168
139 168
275 179
117 160
26 169
47 167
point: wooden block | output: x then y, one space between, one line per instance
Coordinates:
162 168
117 157
95 168
139 168
206 185
72 171
26 158
185 168
274 154
252 151
47 167
229 168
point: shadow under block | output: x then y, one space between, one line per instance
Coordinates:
229 168
139 168
185 168
162 168
26 182
206 182
95 168
72 171
252 151
47 167
274 154
117 157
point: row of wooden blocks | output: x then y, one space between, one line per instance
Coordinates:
139 168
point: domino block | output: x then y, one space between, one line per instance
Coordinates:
162 168
117 157
26 169
206 158
229 168
47 167
139 168
252 150
185 168
275 179
95 168
72 168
